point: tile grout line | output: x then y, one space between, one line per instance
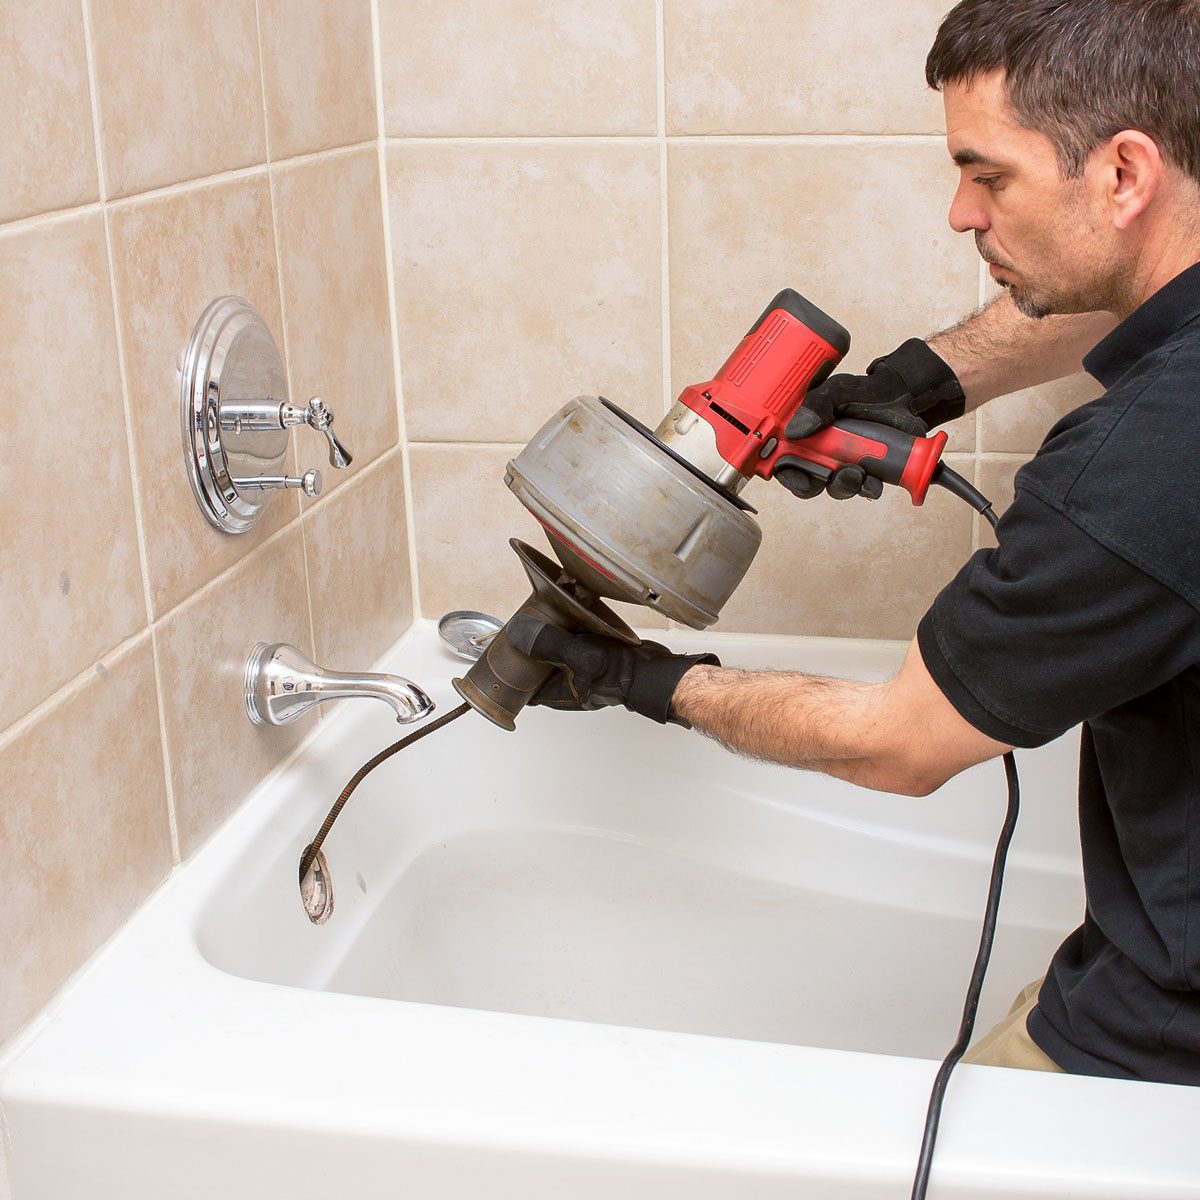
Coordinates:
262 82
6 1190
642 138
19 225
182 187
517 446
660 49
287 356
127 408
239 173
189 185
663 213
67 690
410 520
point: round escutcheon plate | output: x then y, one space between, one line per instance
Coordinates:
230 358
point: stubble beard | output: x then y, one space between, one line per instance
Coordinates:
1029 305
1096 274
1105 293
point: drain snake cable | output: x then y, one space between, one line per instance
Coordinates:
955 483
312 849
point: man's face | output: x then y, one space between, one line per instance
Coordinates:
1042 233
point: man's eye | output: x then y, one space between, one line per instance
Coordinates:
988 181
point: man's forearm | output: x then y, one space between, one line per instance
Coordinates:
998 350
836 726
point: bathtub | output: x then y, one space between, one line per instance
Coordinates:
594 958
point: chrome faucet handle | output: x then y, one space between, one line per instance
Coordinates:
310 482
320 418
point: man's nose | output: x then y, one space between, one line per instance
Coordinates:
966 213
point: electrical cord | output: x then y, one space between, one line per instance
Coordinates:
974 988
952 481
955 483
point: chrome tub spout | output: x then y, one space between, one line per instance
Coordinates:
282 684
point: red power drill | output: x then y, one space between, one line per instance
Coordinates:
791 348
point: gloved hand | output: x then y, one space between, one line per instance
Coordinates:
912 389
596 672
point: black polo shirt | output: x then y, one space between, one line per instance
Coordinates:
1089 611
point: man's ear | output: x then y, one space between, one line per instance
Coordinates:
1130 171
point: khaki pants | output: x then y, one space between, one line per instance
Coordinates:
1009 1043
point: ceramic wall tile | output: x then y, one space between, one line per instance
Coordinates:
463 516
778 66
318 74
71 588
86 835
335 304
518 67
525 275
960 434
857 227
357 547
852 568
217 755
47 139
172 255
1019 423
178 88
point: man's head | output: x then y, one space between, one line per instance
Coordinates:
1076 128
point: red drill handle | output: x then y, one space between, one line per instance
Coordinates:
902 459
790 349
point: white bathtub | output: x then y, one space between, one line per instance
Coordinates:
594 958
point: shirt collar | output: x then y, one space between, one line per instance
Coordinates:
1146 328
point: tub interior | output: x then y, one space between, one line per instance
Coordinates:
591 927
596 868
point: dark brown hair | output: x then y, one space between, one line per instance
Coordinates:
1080 71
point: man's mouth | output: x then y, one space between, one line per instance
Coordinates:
994 264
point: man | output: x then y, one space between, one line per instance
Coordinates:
1076 128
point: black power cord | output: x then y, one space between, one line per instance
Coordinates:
925 1160
955 483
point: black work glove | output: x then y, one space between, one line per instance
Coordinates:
912 389
597 672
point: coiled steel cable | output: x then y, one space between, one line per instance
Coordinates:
312 849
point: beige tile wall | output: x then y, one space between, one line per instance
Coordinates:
497 203
601 198
133 192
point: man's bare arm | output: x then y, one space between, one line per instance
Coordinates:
998 350
902 736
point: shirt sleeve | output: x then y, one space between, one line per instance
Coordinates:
1050 629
